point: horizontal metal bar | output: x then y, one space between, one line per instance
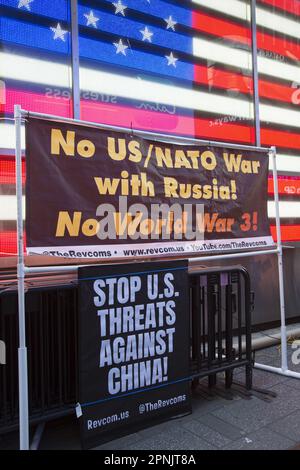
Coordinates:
74 268
278 370
215 269
151 135
10 152
266 340
215 370
49 415
244 254
50 269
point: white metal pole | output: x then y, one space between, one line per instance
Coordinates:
22 351
284 363
255 73
278 370
75 59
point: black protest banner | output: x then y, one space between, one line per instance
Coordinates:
93 193
133 347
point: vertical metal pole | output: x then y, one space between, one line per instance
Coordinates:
247 306
255 74
284 364
75 60
22 351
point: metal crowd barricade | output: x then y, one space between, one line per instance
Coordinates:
221 305
220 310
51 325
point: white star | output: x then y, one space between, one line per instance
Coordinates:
120 47
171 59
170 23
147 35
25 3
91 19
120 8
58 32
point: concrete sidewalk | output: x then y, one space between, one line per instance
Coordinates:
232 424
216 423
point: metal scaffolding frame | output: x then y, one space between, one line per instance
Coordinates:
23 270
